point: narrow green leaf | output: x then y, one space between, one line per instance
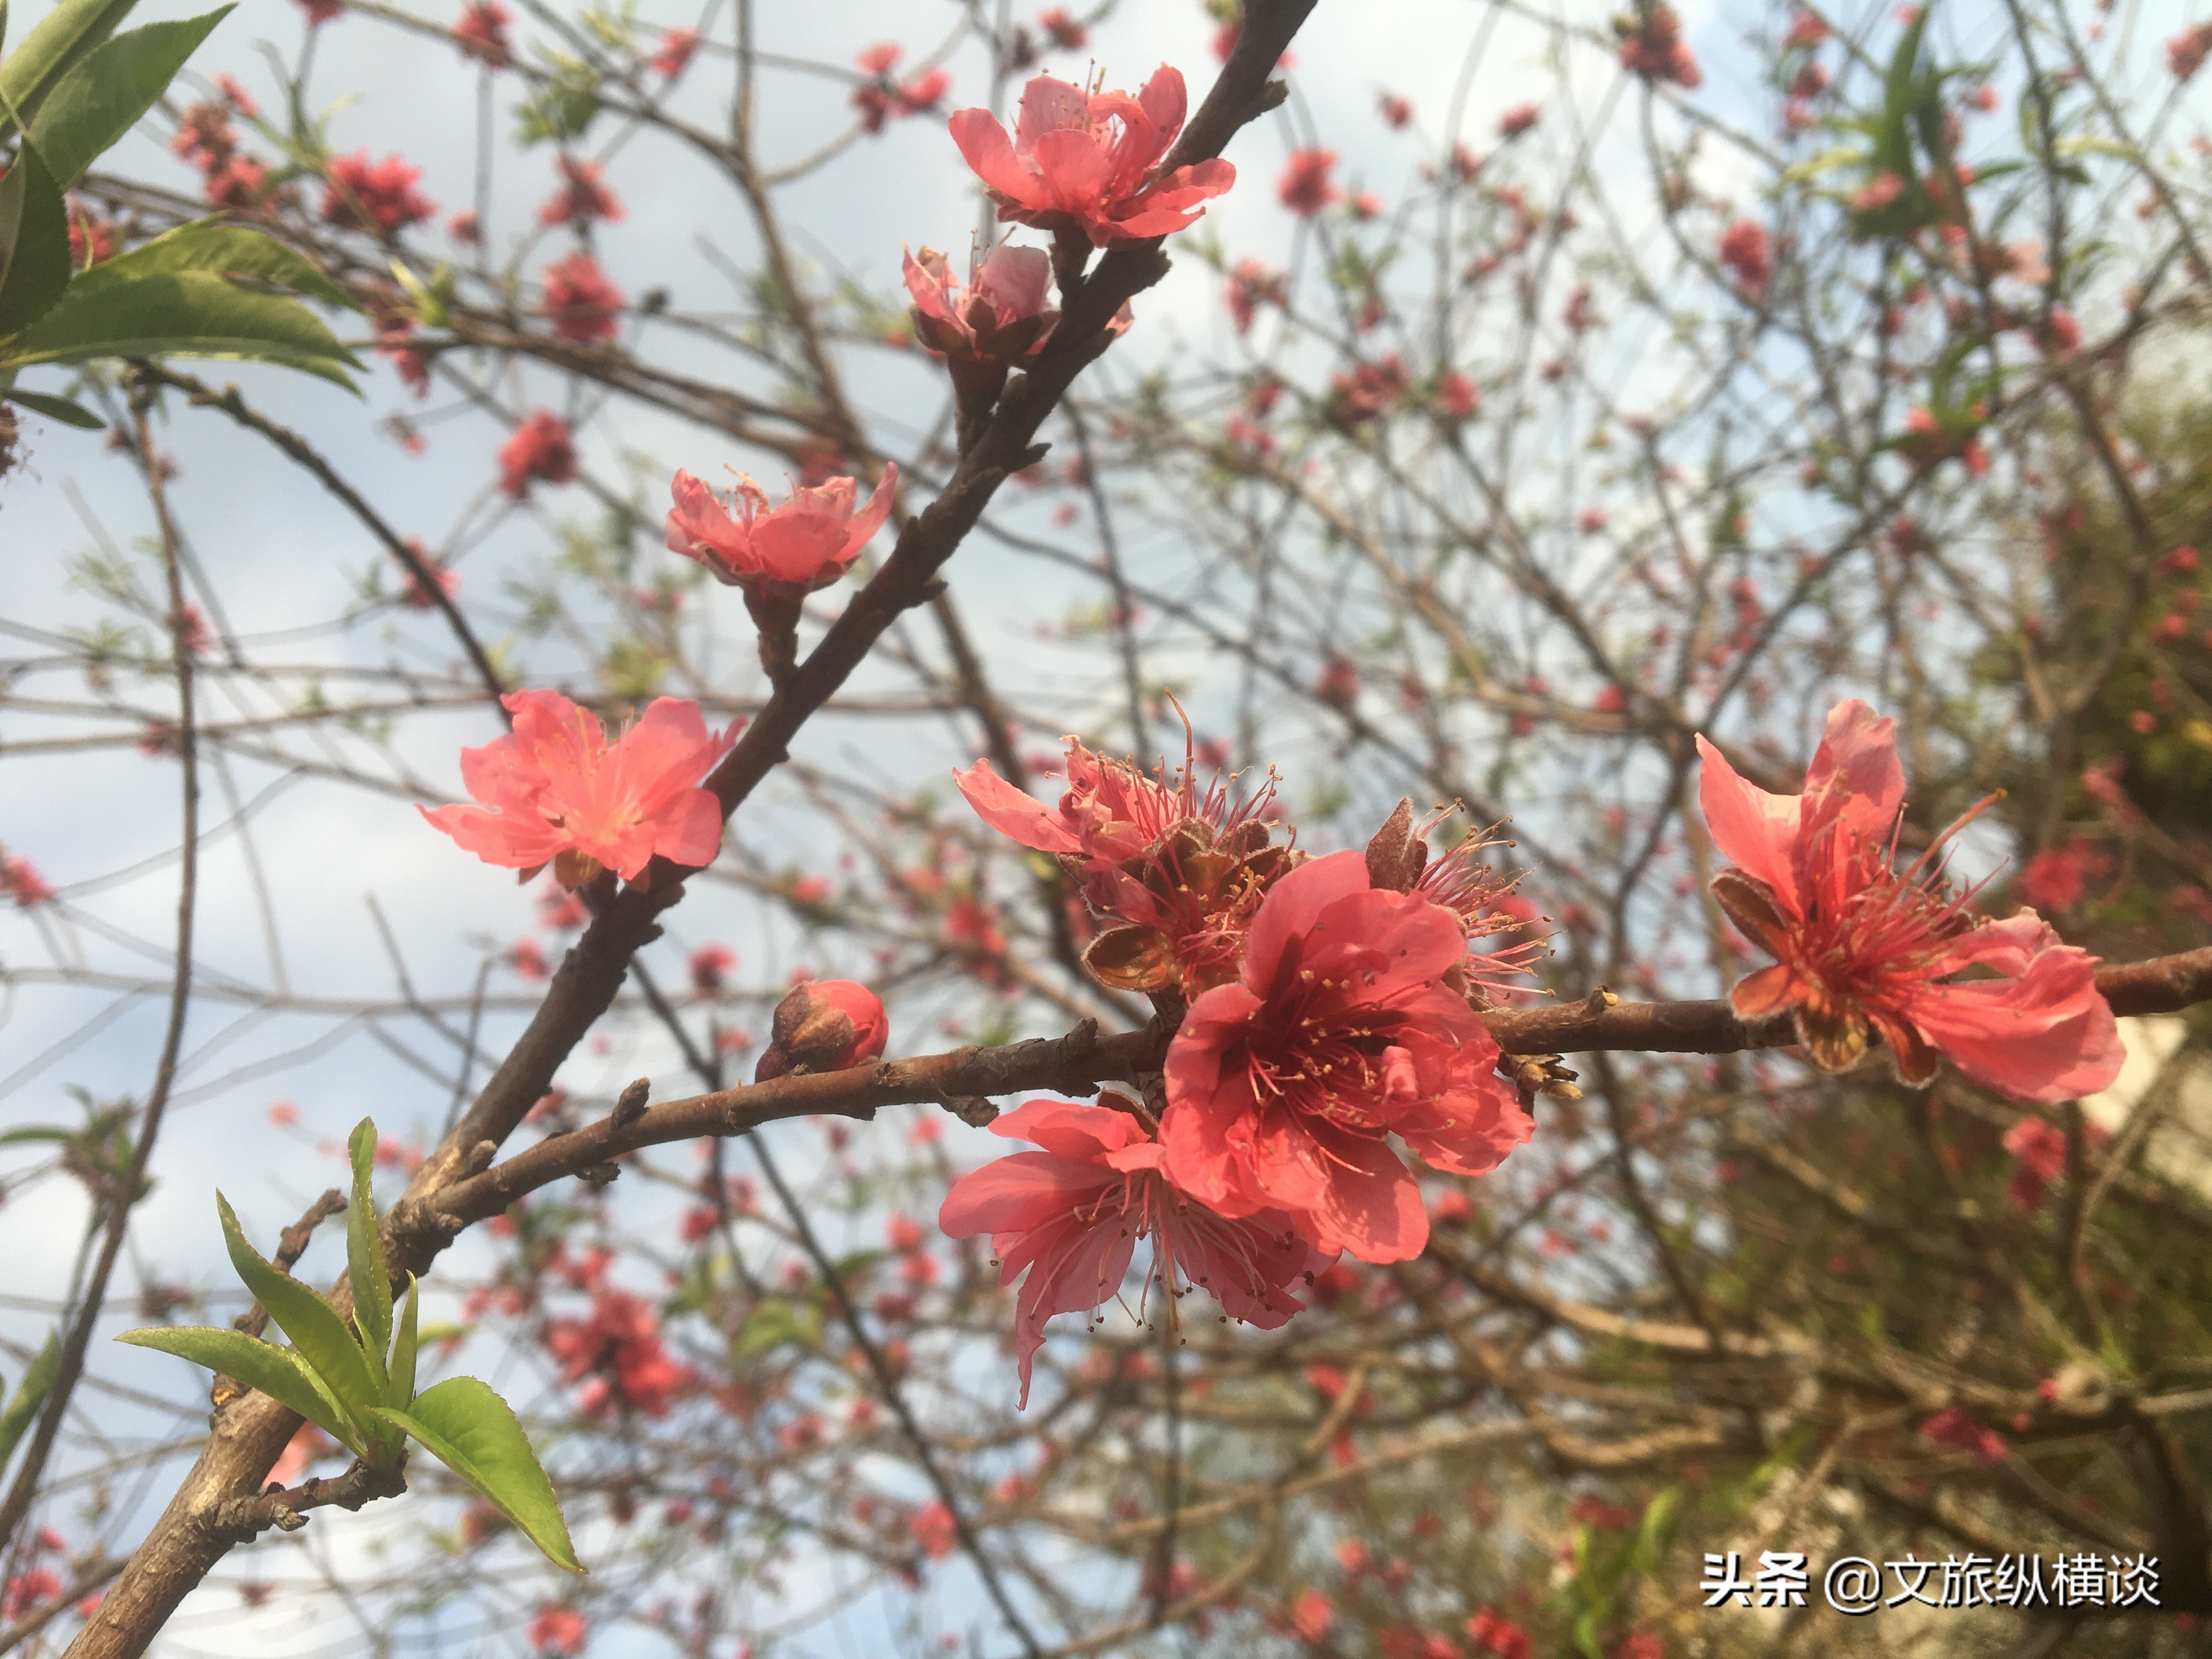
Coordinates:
403 1354
30 1395
371 1288
475 1434
31 1132
314 1326
225 250
103 97
188 313
68 414
262 1366
34 250
63 38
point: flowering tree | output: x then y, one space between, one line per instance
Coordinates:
1742 464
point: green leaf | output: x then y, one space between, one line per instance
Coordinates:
262 1366
190 313
224 249
31 1132
30 1395
315 1327
62 40
34 250
402 1355
102 98
372 1285
68 414
475 1434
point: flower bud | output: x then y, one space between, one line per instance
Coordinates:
824 1025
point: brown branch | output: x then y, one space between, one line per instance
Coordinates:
241 1520
123 1197
2162 985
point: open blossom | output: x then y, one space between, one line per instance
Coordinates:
1284 1084
677 48
538 450
1305 187
359 194
1249 286
482 33
582 195
804 544
577 300
824 1025
1864 951
879 99
21 881
1070 1217
1180 870
1747 250
998 319
555 791
557 1631
1655 49
2186 51
2039 1151
616 1354
1091 162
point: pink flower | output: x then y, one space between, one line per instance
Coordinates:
538 449
1070 1217
806 543
616 1354
320 12
582 195
2186 51
1863 952
1250 285
824 1025
934 1529
1878 191
1305 187
1396 111
711 967
579 300
998 320
1311 1615
482 33
557 1631
359 194
1063 30
555 791
676 49
419 596
21 881
2039 1151
1091 162
1283 1085
2055 878
1458 396
1655 49
1181 868
1517 120
1955 1427
1806 32
1747 250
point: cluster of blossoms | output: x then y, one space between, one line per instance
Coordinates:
1326 1004
206 137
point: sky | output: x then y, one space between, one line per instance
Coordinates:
280 559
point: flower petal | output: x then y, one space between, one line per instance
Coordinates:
1754 831
1020 817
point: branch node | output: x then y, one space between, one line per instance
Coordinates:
598 1175
629 1105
